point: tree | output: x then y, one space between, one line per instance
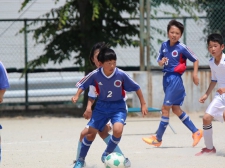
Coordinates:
78 24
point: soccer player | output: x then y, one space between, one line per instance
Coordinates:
88 112
216 109
4 84
172 56
110 83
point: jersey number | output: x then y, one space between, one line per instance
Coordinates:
109 94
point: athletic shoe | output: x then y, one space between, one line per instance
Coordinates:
197 137
206 151
79 164
152 141
127 163
104 155
74 163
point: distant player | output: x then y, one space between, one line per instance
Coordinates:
172 56
110 83
4 84
88 112
216 109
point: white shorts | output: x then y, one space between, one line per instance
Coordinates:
217 107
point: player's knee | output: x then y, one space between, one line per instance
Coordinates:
207 119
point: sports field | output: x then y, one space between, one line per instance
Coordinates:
50 142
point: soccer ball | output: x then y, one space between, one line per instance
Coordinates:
115 160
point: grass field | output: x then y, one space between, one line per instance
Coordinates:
50 142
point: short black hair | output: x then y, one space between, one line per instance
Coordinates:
95 47
106 54
215 37
177 24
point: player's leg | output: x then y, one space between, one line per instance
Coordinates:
114 140
196 133
214 111
157 140
85 146
83 133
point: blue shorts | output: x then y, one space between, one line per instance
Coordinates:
108 110
174 89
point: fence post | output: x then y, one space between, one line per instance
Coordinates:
25 54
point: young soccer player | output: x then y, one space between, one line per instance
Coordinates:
88 112
110 83
4 84
216 109
172 56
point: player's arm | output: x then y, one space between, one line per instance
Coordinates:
77 95
144 109
209 90
195 73
88 112
2 92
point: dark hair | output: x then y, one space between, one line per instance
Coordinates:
106 54
177 24
94 48
215 37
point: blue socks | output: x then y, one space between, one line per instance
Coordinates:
117 149
111 145
84 148
187 121
162 127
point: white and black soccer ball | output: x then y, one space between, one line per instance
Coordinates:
115 160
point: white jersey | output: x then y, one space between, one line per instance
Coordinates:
218 71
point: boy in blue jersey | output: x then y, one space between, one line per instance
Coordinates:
4 84
216 109
110 83
172 56
88 112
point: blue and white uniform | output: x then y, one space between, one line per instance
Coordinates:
173 69
4 83
111 93
217 106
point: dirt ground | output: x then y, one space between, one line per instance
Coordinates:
50 142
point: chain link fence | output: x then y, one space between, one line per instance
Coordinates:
59 86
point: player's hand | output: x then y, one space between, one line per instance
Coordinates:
144 110
221 90
196 79
74 99
87 114
164 61
1 99
203 98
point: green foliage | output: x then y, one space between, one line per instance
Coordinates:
73 28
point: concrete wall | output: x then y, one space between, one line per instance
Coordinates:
193 92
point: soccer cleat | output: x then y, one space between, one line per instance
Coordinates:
127 163
74 163
104 155
206 151
197 137
79 164
152 141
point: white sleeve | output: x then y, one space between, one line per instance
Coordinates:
92 92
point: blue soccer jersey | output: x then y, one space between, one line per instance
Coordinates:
109 88
177 56
4 83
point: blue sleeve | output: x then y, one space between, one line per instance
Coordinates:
4 83
85 82
189 54
129 84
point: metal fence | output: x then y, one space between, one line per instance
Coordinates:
57 84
